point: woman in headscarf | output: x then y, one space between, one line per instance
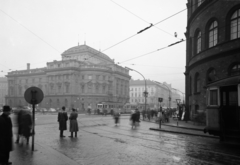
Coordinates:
73 122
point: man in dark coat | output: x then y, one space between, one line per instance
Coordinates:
62 120
19 131
26 125
6 135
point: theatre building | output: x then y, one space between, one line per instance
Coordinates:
83 78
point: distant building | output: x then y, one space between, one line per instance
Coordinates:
83 78
155 90
3 90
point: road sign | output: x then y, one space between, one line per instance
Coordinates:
33 95
160 99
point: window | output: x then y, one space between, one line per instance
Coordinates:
59 88
66 103
211 75
196 108
97 88
190 86
197 83
67 88
20 90
83 77
199 2
235 25
213 97
83 88
235 69
213 34
199 42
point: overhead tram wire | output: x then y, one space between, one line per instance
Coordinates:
143 19
30 31
194 37
152 52
151 25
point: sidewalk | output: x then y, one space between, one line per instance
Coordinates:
182 127
22 154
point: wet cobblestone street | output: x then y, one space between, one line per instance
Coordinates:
100 142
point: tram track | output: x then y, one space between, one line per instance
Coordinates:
194 145
149 147
147 139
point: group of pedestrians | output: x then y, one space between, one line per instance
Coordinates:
62 120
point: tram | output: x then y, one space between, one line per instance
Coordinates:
223 109
107 107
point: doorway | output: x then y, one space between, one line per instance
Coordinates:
229 107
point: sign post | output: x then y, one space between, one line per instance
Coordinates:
33 95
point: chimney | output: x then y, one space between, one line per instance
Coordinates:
28 66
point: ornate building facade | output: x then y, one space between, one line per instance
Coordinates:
155 90
3 90
213 55
83 78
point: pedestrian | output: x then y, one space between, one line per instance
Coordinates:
116 115
138 115
134 120
19 131
73 122
26 125
6 136
148 115
62 120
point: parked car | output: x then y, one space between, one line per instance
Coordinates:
52 110
43 110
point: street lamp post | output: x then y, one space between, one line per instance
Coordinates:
178 103
169 98
145 92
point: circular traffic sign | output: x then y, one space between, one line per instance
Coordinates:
33 95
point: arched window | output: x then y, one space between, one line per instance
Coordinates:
66 103
235 25
197 83
211 75
234 69
198 42
213 34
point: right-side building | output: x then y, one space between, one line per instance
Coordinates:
213 63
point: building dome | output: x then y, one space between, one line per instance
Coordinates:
84 48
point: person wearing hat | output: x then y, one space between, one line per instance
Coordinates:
62 120
6 136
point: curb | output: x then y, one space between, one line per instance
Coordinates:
155 129
195 129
